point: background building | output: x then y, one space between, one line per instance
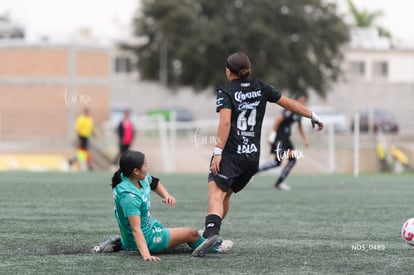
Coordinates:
44 86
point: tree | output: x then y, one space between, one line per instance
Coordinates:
296 45
9 29
366 19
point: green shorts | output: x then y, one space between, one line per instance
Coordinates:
159 238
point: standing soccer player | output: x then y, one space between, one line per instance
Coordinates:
281 145
126 135
241 105
84 127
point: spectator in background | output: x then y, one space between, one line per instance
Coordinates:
84 129
126 134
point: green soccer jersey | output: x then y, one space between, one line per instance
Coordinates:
247 100
132 201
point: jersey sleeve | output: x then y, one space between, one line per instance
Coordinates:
130 205
273 94
223 100
147 182
148 178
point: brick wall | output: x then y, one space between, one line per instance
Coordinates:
32 62
92 63
32 112
40 99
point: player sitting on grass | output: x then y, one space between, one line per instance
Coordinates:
131 186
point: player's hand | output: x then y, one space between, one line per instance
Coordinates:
318 124
151 258
315 120
169 200
306 143
215 164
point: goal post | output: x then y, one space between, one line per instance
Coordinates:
356 145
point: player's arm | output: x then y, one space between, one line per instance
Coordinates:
299 109
302 133
223 131
163 193
223 128
135 222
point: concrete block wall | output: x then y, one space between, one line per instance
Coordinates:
44 87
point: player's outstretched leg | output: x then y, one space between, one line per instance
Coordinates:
269 165
280 182
113 244
207 245
225 247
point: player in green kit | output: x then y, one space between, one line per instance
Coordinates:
131 187
241 105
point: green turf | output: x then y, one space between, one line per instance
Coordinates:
324 225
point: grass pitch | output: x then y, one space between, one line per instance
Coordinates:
324 225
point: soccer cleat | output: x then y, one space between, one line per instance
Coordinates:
113 244
282 186
209 243
226 246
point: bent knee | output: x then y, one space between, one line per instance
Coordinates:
194 234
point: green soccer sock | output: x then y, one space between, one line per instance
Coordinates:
196 243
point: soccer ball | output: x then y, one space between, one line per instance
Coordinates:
407 231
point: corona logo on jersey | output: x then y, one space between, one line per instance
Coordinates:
240 96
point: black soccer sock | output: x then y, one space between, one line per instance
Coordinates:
286 171
213 224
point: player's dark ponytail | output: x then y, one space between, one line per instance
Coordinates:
127 163
239 64
116 178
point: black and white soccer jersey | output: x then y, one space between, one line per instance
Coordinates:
285 128
247 100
